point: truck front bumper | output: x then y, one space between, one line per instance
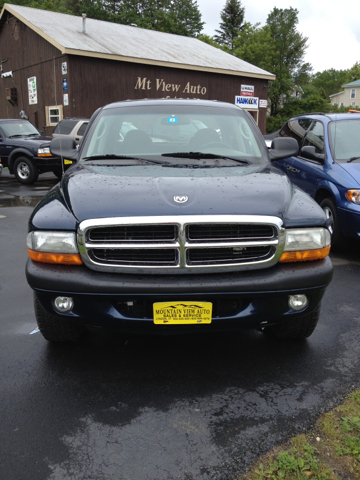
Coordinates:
250 299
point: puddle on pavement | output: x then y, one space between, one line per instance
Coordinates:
20 201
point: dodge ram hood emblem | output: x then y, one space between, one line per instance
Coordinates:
181 198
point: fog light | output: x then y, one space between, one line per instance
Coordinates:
298 302
63 304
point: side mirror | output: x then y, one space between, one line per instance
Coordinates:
310 153
283 147
64 147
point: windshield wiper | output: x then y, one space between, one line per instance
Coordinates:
111 156
352 159
32 135
201 155
195 165
17 135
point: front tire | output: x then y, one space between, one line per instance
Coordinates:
55 329
25 171
297 328
338 241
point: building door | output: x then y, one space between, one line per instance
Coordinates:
254 114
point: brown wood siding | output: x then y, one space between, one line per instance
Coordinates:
29 55
96 82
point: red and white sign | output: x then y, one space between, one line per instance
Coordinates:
247 90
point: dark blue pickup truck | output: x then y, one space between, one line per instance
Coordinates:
26 151
184 228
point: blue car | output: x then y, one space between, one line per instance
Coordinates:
328 168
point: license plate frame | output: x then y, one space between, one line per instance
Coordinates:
182 313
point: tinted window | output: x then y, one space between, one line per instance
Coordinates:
174 128
295 129
82 129
345 139
19 128
65 126
315 137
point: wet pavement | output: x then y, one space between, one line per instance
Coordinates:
119 407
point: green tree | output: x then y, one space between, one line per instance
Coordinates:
232 16
354 72
330 80
186 17
209 40
287 58
255 45
180 17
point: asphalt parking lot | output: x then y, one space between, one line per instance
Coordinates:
120 407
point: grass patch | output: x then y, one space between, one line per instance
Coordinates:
331 451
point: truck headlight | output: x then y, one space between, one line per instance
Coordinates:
53 247
44 152
353 196
305 244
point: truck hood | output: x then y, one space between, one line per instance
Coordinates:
34 142
148 190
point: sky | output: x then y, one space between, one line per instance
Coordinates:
332 27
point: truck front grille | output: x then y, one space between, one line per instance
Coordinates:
134 256
215 233
220 256
134 233
181 244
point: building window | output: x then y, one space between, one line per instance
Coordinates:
353 104
53 115
341 104
353 93
334 103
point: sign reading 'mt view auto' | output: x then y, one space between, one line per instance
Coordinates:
247 102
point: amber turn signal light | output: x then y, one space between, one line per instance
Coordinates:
353 196
304 255
58 258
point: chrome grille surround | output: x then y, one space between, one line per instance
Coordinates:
182 245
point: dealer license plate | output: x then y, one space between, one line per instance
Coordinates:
166 313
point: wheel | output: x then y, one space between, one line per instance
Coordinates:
338 241
56 329
25 171
296 328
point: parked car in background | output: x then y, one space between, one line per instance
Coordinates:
1 168
74 127
25 151
328 168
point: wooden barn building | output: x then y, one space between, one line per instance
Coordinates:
54 65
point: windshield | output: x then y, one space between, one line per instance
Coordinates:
19 128
165 131
344 137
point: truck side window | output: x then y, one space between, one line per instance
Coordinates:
315 137
295 129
